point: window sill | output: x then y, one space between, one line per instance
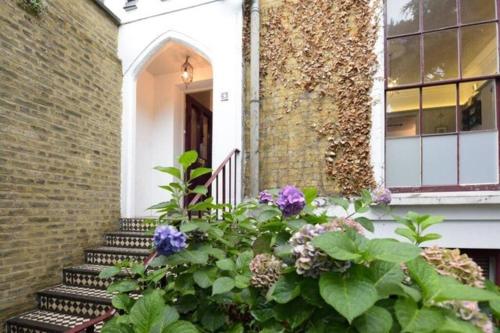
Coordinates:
446 198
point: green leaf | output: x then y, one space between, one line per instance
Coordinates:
455 325
430 220
386 276
285 289
212 319
262 244
337 245
310 193
237 328
268 214
413 319
148 312
392 251
241 281
122 302
350 295
294 313
495 308
429 237
198 172
181 327
222 285
226 264
375 320
360 206
202 278
188 158
344 203
108 272
200 189
123 286
170 170
113 326
188 256
366 223
138 268
170 316
442 288
244 260
407 233
309 291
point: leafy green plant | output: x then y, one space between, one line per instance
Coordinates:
34 7
280 264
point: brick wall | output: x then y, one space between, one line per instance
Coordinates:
60 111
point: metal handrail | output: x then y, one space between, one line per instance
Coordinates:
89 326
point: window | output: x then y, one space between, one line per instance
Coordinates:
442 95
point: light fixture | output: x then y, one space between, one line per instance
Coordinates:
187 72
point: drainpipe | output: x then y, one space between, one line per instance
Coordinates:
254 97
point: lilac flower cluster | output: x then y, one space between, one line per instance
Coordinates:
382 196
290 201
265 197
168 240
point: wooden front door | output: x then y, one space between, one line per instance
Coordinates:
199 135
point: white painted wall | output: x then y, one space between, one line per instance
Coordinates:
211 28
472 218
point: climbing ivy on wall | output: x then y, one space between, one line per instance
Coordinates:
325 48
34 7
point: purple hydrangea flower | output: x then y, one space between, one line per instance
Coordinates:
265 197
382 196
168 240
291 201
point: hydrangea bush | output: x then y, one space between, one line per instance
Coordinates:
282 263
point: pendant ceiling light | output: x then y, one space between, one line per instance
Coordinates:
187 72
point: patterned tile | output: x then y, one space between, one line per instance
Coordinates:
39 321
107 255
87 276
129 239
134 224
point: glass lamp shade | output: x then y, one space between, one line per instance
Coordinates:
187 72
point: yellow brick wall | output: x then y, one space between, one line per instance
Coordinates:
60 118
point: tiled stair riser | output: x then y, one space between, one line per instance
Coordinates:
133 241
83 294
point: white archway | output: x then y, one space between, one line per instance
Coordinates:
129 117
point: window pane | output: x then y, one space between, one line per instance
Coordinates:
439 160
479 50
403 162
440 55
438 109
479 158
404 60
478 105
402 17
402 113
439 14
477 10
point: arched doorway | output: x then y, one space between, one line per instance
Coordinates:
170 117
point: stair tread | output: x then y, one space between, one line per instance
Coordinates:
120 250
49 320
90 269
74 292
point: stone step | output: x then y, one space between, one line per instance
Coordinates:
108 255
77 301
134 224
132 239
87 276
41 321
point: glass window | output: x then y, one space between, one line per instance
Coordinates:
477 10
404 60
439 14
402 17
441 94
478 105
403 113
479 50
440 55
439 109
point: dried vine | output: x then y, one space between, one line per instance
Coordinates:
324 48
